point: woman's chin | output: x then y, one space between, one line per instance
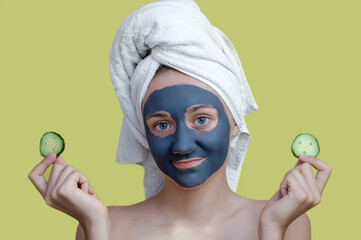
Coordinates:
196 184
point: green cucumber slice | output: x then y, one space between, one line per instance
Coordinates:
51 142
305 144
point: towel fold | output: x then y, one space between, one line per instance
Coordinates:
177 34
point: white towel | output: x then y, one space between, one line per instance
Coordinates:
177 34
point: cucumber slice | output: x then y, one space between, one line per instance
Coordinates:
305 144
51 142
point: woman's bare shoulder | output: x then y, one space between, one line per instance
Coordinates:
129 211
252 205
117 211
300 228
122 219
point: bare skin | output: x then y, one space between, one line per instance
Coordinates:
243 223
208 211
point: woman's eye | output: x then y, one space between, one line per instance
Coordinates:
202 120
162 126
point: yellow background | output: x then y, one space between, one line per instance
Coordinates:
302 61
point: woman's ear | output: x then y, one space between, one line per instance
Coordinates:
234 129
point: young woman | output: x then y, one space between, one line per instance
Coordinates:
189 126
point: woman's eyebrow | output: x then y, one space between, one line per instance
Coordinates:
157 114
196 107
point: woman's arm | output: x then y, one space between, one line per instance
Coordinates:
79 233
94 231
299 191
299 229
69 191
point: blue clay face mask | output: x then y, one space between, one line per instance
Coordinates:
188 133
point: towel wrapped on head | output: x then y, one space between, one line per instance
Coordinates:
177 34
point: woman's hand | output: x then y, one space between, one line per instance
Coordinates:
68 190
299 191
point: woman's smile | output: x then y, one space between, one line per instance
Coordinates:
188 163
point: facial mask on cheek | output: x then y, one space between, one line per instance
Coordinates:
185 142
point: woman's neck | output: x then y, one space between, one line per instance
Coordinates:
200 204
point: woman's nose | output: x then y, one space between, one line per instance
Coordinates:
183 142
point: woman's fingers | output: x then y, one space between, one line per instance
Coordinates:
54 176
295 184
290 185
306 171
58 166
284 187
75 179
60 160
36 175
323 173
300 181
65 172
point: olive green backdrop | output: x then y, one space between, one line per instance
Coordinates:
302 61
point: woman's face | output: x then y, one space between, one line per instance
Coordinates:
188 127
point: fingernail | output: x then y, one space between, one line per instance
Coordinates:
303 157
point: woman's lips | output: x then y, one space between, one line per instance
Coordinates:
188 163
